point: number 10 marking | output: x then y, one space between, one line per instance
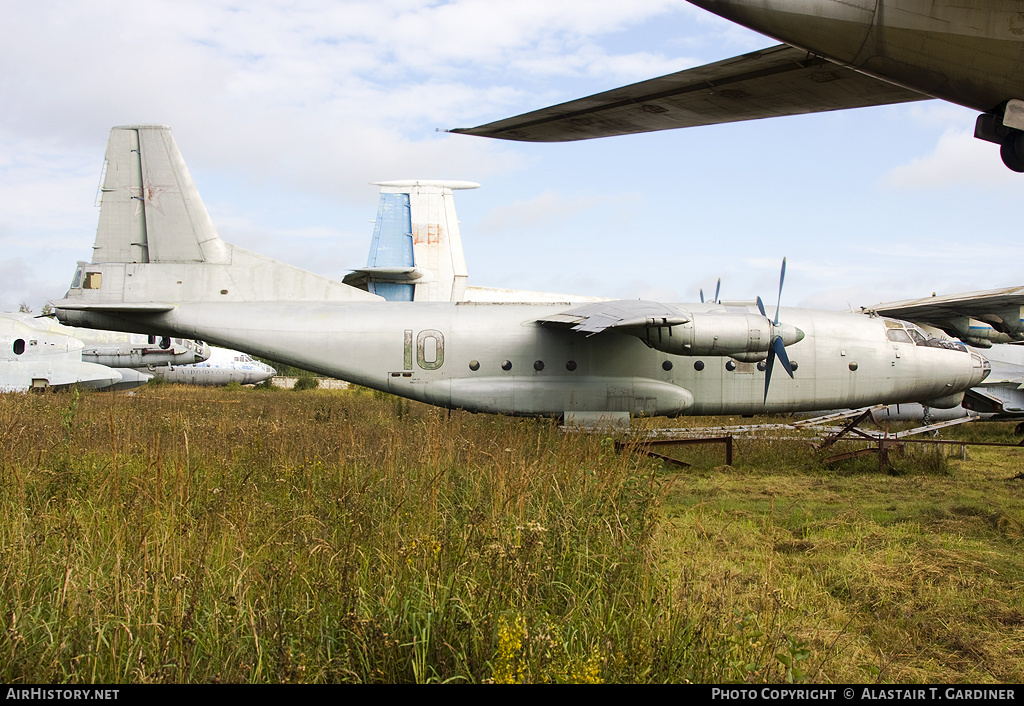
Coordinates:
429 349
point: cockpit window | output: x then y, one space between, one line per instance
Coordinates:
898 335
77 281
946 343
906 332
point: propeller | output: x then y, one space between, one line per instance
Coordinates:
777 347
718 288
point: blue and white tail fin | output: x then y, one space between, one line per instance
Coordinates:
416 253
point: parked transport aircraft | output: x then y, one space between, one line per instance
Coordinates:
418 206
223 367
837 54
166 270
34 356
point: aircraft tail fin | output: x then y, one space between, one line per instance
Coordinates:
156 247
150 209
416 253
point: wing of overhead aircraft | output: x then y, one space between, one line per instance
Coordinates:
977 318
772 82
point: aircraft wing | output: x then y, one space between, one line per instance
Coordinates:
626 313
780 80
939 310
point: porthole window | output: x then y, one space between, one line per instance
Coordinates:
853 366
761 365
474 365
730 365
19 346
698 365
538 365
667 365
793 364
570 366
506 365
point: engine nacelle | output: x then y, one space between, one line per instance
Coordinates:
724 334
1009 320
975 332
947 402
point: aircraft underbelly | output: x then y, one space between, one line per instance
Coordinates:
947 50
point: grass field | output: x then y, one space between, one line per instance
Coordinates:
190 535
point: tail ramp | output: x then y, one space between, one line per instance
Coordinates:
157 247
416 253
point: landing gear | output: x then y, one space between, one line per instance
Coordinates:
1011 149
1007 131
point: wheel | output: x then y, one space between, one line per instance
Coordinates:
1012 151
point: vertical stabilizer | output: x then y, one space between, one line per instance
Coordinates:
150 209
416 252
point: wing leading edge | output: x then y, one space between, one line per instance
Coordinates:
977 318
773 82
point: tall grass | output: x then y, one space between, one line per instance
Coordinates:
188 535
183 535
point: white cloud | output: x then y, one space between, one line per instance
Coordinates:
958 159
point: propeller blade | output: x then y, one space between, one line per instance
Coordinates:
782 278
768 364
702 296
718 288
779 348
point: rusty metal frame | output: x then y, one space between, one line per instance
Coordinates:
646 450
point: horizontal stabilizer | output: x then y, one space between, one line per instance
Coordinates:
115 307
365 277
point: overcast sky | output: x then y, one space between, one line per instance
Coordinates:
285 111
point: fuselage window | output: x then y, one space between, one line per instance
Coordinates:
570 366
19 346
506 365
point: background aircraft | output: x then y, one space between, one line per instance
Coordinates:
34 356
160 266
837 54
41 353
221 368
416 253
